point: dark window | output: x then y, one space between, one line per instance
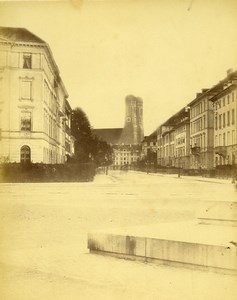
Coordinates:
220 121
25 154
228 118
223 119
27 61
26 121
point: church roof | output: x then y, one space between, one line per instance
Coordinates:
19 35
109 135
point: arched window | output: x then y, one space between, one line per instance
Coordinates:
25 154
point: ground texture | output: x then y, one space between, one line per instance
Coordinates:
43 250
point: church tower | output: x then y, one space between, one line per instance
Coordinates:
133 127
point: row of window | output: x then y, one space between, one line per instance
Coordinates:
198 124
199 108
50 99
224 101
223 120
50 125
219 160
225 139
49 156
123 158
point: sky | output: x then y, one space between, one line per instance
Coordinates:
163 51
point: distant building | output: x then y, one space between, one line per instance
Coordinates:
125 155
149 146
34 112
202 135
125 141
225 121
202 131
173 138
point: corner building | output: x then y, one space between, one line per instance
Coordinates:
33 117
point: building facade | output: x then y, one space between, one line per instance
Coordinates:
202 131
33 101
125 155
202 135
225 127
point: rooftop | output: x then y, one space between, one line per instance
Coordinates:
19 35
109 135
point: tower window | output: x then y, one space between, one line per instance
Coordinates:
27 61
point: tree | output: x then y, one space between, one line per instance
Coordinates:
87 146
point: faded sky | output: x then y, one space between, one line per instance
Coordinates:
162 51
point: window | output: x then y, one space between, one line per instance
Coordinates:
27 61
25 121
228 138
233 137
26 87
204 122
220 121
216 122
223 119
228 118
233 116
224 101
224 139
25 154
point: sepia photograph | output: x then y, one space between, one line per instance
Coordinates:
118 149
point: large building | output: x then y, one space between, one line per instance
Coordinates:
173 139
202 131
225 124
34 111
202 135
126 141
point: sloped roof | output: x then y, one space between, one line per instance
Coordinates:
19 35
109 135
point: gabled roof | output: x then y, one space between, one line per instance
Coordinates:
109 135
19 35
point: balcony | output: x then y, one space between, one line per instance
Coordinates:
221 150
196 150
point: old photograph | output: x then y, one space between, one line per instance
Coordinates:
118 149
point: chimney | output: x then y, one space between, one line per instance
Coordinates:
229 71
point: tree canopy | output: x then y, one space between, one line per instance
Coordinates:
87 146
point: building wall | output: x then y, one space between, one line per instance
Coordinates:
125 155
182 145
34 93
225 142
201 133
